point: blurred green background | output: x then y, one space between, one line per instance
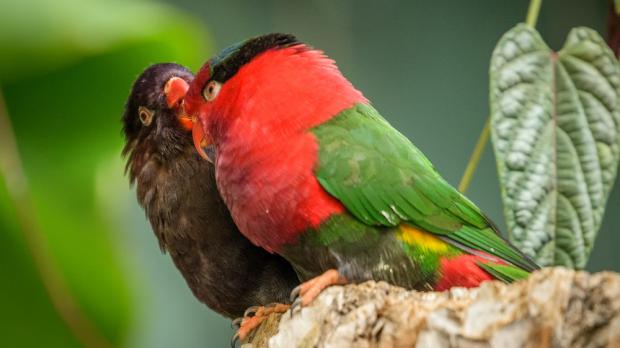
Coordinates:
66 67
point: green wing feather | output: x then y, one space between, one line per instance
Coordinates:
383 179
505 273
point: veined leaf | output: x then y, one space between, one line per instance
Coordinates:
555 127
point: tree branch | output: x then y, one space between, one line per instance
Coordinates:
555 307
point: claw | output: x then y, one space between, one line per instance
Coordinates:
295 293
254 316
234 340
236 324
307 291
295 306
250 312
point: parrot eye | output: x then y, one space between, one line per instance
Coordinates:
146 115
211 90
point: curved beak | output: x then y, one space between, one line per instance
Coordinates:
175 90
201 141
185 121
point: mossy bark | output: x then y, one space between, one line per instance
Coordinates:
555 307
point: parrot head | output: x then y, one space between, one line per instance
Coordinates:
153 121
264 89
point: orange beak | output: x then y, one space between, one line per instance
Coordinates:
175 90
186 121
201 141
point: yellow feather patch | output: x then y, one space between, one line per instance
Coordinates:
415 236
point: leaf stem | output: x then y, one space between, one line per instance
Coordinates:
66 306
532 13
475 156
531 19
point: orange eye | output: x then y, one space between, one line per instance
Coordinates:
146 115
211 90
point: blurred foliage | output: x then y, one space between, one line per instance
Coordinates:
40 35
66 69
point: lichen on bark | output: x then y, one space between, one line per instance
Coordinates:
554 307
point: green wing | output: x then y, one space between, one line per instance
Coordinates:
383 179
505 273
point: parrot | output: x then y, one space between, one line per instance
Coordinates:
310 170
221 267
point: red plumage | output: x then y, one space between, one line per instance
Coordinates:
266 106
298 82
463 271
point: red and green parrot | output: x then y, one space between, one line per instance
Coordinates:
310 170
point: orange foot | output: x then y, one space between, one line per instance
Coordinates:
252 318
307 291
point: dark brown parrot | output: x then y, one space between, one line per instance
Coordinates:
177 190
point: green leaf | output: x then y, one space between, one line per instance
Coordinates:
555 127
